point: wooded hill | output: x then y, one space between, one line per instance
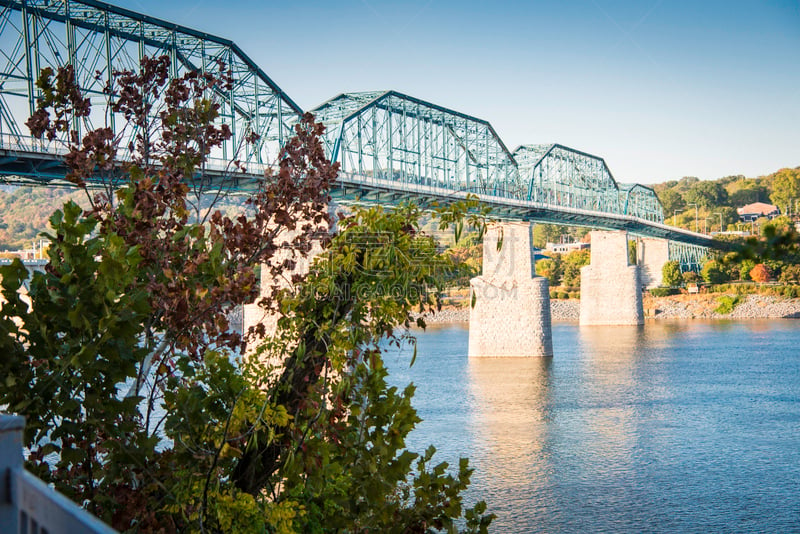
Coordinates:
716 200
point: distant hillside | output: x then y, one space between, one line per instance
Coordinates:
25 211
710 204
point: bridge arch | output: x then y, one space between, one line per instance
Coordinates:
641 201
389 136
98 38
567 177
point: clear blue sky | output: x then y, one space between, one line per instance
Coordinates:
660 88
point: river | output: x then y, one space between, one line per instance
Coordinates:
672 427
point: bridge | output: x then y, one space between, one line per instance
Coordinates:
390 146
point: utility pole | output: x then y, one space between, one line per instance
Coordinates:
696 226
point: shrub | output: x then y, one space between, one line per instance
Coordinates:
712 273
664 291
671 274
727 303
759 273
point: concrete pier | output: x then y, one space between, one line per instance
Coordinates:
510 306
653 253
611 289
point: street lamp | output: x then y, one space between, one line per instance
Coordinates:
696 226
674 217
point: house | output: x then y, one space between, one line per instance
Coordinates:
565 248
753 211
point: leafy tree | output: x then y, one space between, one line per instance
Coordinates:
729 216
125 365
671 200
546 233
748 193
671 274
760 273
572 263
550 268
744 269
706 194
785 189
691 277
712 273
790 275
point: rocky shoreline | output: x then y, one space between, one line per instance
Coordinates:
673 307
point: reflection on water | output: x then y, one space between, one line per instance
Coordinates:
512 405
674 426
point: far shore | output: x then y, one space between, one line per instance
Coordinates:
673 307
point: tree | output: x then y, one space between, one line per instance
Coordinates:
672 201
706 194
744 269
748 193
712 273
546 233
760 273
572 263
691 277
790 274
125 365
671 274
785 189
551 269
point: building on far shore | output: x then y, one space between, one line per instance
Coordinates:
564 248
753 211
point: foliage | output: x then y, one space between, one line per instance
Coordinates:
672 201
671 274
550 268
745 266
785 188
760 273
727 303
125 366
572 263
707 194
691 277
790 275
712 272
664 291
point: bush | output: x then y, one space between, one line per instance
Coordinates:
727 303
760 273
671 274
664 291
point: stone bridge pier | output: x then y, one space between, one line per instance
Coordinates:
652 254
510 306
611 288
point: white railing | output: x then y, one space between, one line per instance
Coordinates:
28 505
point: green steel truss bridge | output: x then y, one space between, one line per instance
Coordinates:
391 147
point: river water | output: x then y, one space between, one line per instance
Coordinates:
671 427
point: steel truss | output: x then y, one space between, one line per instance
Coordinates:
97 38
567 177
690 257
391 136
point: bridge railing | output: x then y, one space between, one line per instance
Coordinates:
29 144
28 505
